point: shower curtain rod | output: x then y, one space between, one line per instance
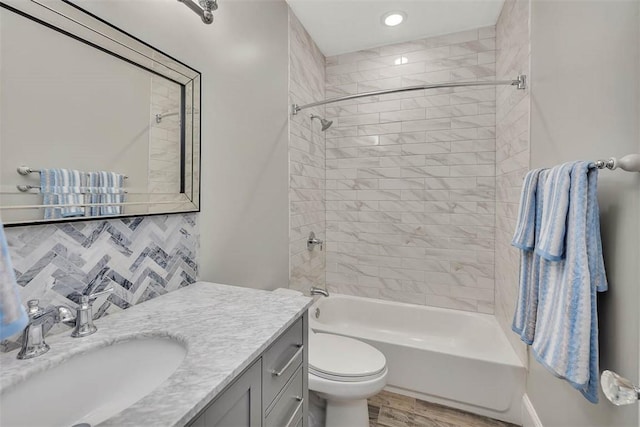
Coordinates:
520 82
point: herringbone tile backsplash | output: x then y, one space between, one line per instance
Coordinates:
140 257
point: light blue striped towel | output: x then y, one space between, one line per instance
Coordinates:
13 317
112 197
527 230
62 187
111 179
105 187
91 196
566 334
551 244
111 186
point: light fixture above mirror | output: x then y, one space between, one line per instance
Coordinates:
204 8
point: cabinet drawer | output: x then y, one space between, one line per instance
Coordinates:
280 362
287 410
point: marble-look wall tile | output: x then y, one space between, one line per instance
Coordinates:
164 138
140 257
410 177
306 160
512 156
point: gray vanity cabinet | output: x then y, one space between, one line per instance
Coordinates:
272 392
239 405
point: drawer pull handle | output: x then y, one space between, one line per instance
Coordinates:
295 411
286 366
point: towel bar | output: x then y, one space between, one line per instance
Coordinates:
25 188
629 163
26 170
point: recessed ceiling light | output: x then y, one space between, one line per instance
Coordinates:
391 19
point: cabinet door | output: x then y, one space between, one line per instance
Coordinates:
240 405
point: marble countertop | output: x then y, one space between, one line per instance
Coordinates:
224 328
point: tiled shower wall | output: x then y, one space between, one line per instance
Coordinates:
306 160
140 257
164 138
512 155
411 177
163 180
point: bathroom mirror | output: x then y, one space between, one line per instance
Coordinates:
93 122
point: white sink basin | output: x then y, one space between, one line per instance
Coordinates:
91 387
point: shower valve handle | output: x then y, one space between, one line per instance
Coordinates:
313 242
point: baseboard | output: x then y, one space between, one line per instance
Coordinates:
529 415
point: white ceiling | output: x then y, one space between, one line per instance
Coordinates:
340 26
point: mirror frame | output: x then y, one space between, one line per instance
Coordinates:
73 21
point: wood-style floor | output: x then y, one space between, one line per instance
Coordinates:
394 410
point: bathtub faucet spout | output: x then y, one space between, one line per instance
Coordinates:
318 291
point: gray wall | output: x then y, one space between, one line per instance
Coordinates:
243 59
585 105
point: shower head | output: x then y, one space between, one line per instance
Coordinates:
326 124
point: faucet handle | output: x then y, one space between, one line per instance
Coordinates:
34 311
312 241
33 306
84 299
97 294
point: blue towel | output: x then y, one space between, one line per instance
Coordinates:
111 179
62 187
115 209
111 184
551 244
92 198
13 317
571 271
527 230
104 188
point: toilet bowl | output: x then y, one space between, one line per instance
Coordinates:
345 372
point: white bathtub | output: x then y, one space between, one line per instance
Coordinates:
451 357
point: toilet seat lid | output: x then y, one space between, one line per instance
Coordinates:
341 357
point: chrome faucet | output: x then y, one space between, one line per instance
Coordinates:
84 315
41 320
318 291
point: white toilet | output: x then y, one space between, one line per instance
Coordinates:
345 372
